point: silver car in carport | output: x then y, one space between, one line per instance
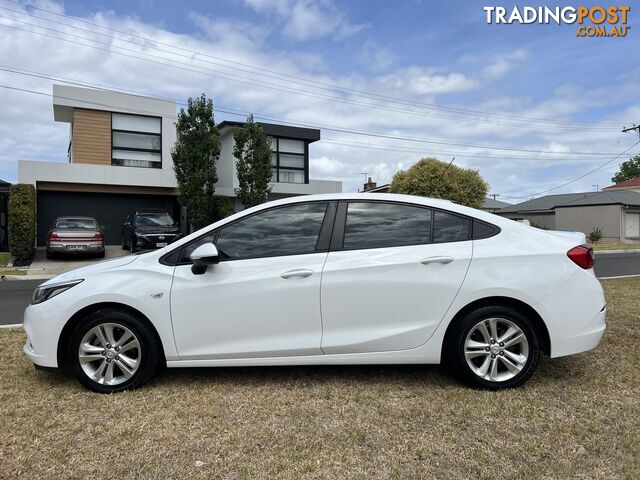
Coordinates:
75 235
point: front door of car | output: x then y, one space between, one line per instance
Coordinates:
393 272
263 298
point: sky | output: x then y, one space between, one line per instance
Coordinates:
531 107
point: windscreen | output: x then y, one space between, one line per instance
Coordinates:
153 220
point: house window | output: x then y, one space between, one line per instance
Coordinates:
289 161
136 141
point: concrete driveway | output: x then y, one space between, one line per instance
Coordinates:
43 266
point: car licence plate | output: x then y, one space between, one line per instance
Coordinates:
162 244
74 248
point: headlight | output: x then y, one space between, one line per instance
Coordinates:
45 292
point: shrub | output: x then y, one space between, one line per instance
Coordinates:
22 222
222 207
595 235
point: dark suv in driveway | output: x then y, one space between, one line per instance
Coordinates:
147 229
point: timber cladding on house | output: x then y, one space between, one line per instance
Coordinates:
91 137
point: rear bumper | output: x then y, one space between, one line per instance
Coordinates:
575 314
587 339
75 247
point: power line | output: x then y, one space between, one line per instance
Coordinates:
581 176
540 123
295 77
187 66
324 127
506 196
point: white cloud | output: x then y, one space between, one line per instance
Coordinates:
27 129
424 81
308 19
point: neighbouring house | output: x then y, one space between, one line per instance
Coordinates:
632 184
490 205
615 213
4 215
119 158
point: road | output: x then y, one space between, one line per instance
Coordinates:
16 295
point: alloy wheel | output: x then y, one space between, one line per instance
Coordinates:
110 354
496 349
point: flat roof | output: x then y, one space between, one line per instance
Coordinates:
276 130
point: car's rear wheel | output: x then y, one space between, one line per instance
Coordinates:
494 348
112 350
125 246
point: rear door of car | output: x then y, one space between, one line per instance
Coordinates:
392 273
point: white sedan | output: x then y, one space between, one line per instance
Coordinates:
327 279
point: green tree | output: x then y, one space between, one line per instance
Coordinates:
194 160
432 178
253 163
22 222
628 170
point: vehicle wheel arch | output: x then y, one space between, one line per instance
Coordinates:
77 317
538 323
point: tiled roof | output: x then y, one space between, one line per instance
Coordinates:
634 182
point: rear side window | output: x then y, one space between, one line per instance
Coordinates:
290 230
450 228
75 224
376 225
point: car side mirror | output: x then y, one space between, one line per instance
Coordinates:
203 256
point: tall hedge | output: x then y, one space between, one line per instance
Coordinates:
22 222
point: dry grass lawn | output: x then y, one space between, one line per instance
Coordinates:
578 417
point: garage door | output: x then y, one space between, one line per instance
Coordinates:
632 225
109 209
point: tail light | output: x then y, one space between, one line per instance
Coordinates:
53 236
97 236
583 256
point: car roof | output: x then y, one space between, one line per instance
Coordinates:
437 203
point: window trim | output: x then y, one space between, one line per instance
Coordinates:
132 149
322 243
337 241
331 236
304 155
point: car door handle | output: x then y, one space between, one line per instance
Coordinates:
296 274
442 260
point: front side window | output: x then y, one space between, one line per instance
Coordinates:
136 141
288 160
288 230
377 225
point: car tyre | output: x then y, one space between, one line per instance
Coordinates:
50 255
124 244
101 254
493 348
111 350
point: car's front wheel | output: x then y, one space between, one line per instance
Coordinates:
112 350
494 348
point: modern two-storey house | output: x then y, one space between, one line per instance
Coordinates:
119 158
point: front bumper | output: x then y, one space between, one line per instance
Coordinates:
43 324
152 241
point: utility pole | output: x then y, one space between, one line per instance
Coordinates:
597 187
635 128
494 195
